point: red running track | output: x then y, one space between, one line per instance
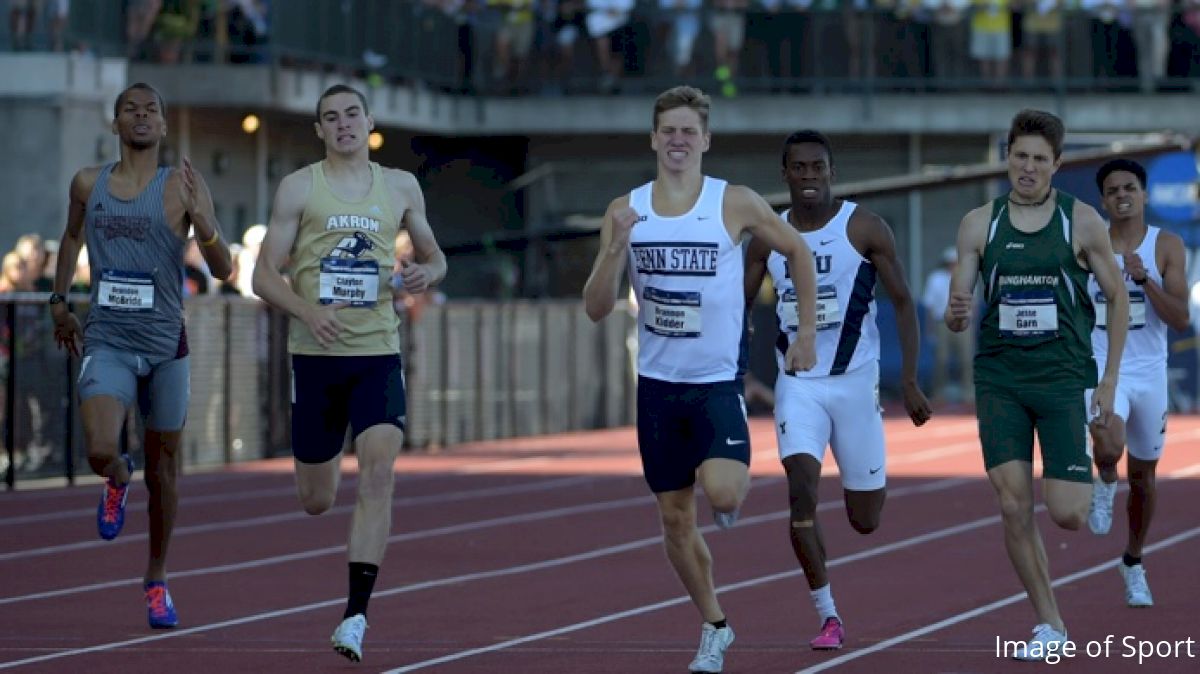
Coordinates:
543 555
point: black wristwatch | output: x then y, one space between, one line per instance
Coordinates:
55 298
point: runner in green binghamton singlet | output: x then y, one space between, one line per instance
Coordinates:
1034 248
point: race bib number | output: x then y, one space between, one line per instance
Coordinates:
1028 313
1137 310
349 280
829 312
672 313
126 290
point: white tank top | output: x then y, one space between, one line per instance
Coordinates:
847 337
687 276
1146 341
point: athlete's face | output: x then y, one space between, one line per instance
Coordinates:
680 140
808 173
1031 165
1123 196
344 125
139 123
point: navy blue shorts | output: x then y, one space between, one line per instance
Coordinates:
330 393
680 426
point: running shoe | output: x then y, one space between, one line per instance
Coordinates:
832 636
110 515
726 520
1137 591
710 658
159 606
347 638
1046 640
1100 516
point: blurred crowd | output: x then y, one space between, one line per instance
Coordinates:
548 46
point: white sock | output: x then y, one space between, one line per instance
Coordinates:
823 600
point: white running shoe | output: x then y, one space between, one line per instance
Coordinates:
347 638
1137 592
726 520
1046 640
710 659
1100 516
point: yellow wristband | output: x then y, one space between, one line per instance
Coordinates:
216 235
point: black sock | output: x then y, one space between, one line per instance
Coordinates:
1130 560
362 582
719 624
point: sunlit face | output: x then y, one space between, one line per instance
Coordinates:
680 139
344 125
140 123
1031 165
1122 196
808 173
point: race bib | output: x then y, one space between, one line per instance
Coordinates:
672 313
349 280
126 290
1137 310
829 312
1028 313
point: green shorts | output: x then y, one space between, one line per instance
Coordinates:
1008 415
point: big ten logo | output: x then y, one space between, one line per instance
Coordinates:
824 265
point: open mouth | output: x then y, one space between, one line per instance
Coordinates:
1124 207
809 192
345 138
141 128
677 155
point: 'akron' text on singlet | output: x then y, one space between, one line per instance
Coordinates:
352 222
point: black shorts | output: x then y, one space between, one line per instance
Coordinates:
330 393
680 426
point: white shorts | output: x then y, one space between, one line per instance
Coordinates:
841 411
1141 400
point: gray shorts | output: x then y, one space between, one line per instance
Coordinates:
161 388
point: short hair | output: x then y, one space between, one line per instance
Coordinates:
162 104
1120 164
683 97
808 136
1038 123
342 89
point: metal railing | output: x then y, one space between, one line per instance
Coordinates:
474 371
451 46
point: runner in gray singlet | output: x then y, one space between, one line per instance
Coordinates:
135 217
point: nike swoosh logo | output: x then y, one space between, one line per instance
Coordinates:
731 442
826 243
701 217
876 470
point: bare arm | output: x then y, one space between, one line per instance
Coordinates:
1170 300
431 267
197 201
604 283
746 208
282 228
73 236
1096 247
756 270
972 233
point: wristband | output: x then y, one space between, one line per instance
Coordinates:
215 237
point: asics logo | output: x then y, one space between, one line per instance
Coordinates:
1078 469
731 442
1012 245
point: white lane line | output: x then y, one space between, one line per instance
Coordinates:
988 608
293 515
930 487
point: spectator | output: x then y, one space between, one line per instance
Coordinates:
140 16
514 39
1150 22
1043 34
1184 59
21 16
991 38
569 23
248 29
15 277
948 39
679 24
604 19
196 279
783 30
947 343
1112 40
727 21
